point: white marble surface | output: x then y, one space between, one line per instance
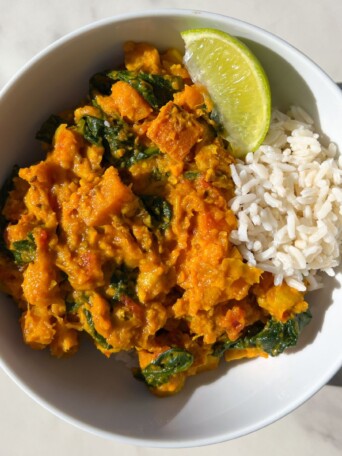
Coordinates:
26 27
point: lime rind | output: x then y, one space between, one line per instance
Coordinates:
236 82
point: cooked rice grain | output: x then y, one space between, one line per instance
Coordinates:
288 201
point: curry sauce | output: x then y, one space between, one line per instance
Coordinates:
122 231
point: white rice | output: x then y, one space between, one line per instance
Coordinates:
288 202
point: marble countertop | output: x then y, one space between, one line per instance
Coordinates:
26 27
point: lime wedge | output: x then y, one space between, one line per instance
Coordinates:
236 83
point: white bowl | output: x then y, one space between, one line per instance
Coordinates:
100 395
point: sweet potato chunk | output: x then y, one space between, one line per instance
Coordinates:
141 57
67 144
282 302
105 199
190 98
172 62
175 131
37 328
65 341
125 101
39 284
129 102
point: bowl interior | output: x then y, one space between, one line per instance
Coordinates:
101 395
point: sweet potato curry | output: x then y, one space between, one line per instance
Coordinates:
122 231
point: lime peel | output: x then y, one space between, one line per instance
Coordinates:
236 83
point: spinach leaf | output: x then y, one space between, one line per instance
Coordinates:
251 331
72 306
113 136
220 347
73 303
123 282
154 88
123 152
48 128
4 193
3 246
7 186
24 251
141 154
167 364
101 83
273 338
92 129
159 209
191 175
158 176
277 336
98 338
119 141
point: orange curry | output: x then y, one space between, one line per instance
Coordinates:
123 229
